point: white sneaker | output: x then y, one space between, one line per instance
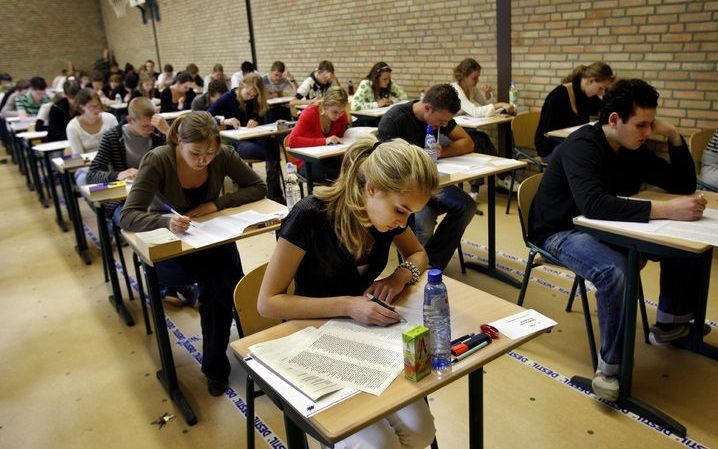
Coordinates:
474 195
605 387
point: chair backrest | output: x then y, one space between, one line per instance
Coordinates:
697 143
288 157
526 194
523 128
245 303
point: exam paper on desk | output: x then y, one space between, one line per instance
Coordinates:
367 358
225 227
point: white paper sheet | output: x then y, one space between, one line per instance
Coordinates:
703 231
221 228
523 323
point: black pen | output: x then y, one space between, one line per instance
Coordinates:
385 305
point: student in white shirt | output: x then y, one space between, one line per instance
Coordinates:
85 130
475 101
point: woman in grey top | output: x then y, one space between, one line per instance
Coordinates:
187 175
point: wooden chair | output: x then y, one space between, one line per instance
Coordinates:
523 130
249 321
697 144
527 192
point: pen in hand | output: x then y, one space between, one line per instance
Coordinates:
170 209
373 299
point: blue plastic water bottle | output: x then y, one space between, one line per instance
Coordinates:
430 143
438 320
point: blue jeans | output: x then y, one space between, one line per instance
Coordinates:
441 244
606 268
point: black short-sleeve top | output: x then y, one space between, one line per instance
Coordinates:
328 268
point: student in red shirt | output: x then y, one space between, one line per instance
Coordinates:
322 124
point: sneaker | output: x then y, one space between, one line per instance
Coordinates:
217 387
662 334
605 387
189 295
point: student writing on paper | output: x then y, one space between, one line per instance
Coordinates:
179 95
246 105
322 124
572 103
217 74
279 83
334 244
215 89
97 81
114 87
166 78
145 88
245 69
9 108
377 89
188 174
28 104
123 146
62 111
316 85
477 101
193 70
408 121
85 130
591 172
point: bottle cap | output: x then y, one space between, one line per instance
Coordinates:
291 168
434 275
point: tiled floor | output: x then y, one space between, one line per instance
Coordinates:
73 376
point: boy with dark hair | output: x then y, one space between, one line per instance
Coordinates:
215 89
409 121
29 103
591 173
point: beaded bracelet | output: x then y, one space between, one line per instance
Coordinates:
412 269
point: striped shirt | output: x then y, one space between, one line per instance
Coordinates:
27 103
111 157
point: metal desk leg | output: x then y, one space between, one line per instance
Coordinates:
167 375
53 193
310 181
490 269
35 174
695 341
24 167
476 409
625 400
296 438
73 210
106 246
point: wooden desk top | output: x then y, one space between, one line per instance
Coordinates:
469 309
59 162
671 242
565 132
264 206
244 133
173 115
326 151
377 112
32 135
276 101
52 146
466 121
494 166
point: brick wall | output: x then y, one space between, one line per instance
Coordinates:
671 43
41 37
